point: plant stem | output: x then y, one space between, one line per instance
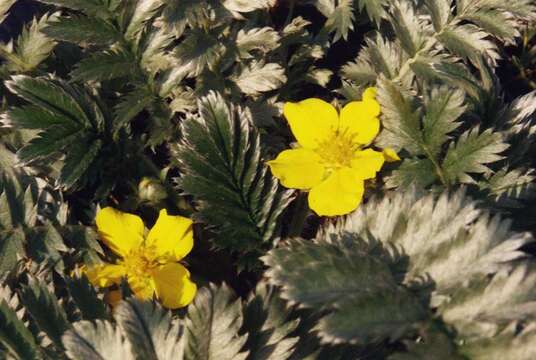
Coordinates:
301 210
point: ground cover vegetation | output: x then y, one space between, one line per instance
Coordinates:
264 179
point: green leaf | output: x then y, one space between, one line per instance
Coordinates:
471 154
220 159
97 340
338 275
407 27
420 173
380 56
400 118
212 326
150 330
11 247
14 335
440 10
198 51
247 5
372 317
444 106
341 20
259 77
86 299
439 252
131 105
51 94
67 115
46 312
78 161
107 65
263 39
96 8
142 12
4 8
82 30
375 9
269 324
32 46
468 42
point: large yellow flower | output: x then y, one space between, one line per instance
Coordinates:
331 160
150 264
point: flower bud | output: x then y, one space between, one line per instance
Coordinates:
151 190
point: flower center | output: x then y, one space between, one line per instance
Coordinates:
338 150
139 262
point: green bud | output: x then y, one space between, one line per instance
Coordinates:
151 190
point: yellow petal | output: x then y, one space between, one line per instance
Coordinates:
120 231
311 121
360 118
339 194
367 163
173 285
142 286
171 236
298 168
370 93
390 155
105 275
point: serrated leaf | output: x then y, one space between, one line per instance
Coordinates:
91 7
220 159
212 326
32 46
97 340
107 65
465 265
263 39
259 77
340 278
198 51
444 106
380 56
341 20
78 161
86 299
468 42
142 12
471 154
375 9
400 118
269 324
14 335
71 117
131 105
247 5
82 30
46 312
11 247
4 8
420 173
440 11
150 330
407 27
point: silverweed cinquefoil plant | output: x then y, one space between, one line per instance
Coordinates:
331 160
150 264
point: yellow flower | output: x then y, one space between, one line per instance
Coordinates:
331 160
150 265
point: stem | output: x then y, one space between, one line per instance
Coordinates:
438 169
301 210
291 7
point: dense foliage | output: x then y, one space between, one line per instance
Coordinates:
144 105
